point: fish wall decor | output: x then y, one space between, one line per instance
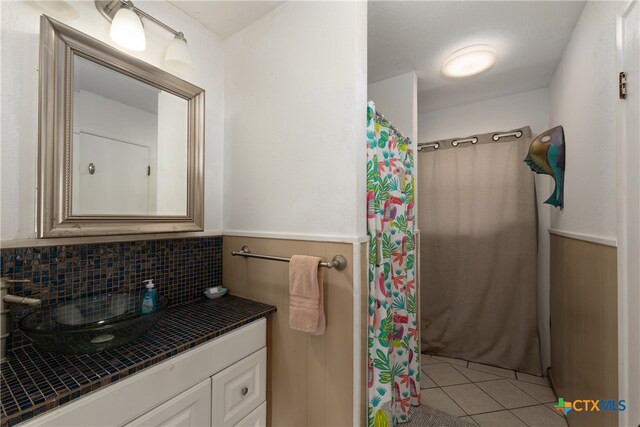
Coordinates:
547 156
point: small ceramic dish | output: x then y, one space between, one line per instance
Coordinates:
214 295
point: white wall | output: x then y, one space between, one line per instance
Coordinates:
501 114
137 127
506 113
295 118
397 99
583 100
19 101
171 173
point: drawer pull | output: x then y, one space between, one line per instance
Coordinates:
244 391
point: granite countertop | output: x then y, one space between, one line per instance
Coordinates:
34 382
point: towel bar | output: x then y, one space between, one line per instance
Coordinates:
339 262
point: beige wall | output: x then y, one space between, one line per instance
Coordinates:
584 344
310 377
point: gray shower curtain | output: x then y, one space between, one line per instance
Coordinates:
477 220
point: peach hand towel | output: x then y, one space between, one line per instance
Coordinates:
306 297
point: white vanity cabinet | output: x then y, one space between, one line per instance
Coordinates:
219 383
191 408
257 418
239 389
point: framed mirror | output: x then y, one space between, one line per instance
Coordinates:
121 142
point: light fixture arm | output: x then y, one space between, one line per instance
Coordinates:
109 8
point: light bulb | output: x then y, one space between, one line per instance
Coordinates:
178 55
127 30
469 61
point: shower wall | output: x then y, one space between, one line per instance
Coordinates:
397 99
508 112
505 113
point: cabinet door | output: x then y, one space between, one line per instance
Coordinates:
191 408
257 418
239 389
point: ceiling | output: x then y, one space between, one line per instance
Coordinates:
225 18
530 37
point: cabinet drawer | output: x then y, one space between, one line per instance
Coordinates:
239 389
191 408
257 418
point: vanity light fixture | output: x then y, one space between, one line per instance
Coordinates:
128 31
470 61
178 55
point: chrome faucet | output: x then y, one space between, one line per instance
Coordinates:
5 300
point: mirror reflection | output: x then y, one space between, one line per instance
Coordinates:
130 143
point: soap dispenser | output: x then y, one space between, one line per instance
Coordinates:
149 299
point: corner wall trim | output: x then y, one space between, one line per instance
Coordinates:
607 241
357 339
61 241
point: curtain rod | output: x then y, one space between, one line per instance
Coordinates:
473 140
392 127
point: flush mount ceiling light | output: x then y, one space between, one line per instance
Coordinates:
127 30
470 61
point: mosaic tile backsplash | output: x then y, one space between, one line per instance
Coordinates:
180 268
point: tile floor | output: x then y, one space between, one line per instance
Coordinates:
488 396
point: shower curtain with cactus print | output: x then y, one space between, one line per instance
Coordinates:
393 353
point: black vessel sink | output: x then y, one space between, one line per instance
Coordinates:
91 324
